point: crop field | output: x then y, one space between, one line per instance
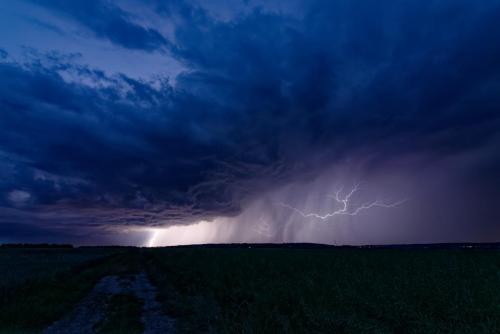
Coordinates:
264 290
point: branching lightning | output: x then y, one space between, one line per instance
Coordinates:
346 206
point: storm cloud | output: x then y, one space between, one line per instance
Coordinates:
269 105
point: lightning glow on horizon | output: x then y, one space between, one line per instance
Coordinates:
152 239
225 229
345 206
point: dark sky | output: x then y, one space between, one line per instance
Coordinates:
227 121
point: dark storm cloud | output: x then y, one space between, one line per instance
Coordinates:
13 232
115 144
265 98
108 21
378 68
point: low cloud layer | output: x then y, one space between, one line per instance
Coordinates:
269 105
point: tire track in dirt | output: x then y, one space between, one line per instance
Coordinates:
92 308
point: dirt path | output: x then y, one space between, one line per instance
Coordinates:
92 309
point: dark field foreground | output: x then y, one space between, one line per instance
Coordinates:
263 290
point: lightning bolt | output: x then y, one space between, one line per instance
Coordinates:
346 207
152 239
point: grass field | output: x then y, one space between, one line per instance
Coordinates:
37 286
124 316
260 290
330 291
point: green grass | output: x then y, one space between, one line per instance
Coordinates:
258 290
18 265
124 316
329 291
51 283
